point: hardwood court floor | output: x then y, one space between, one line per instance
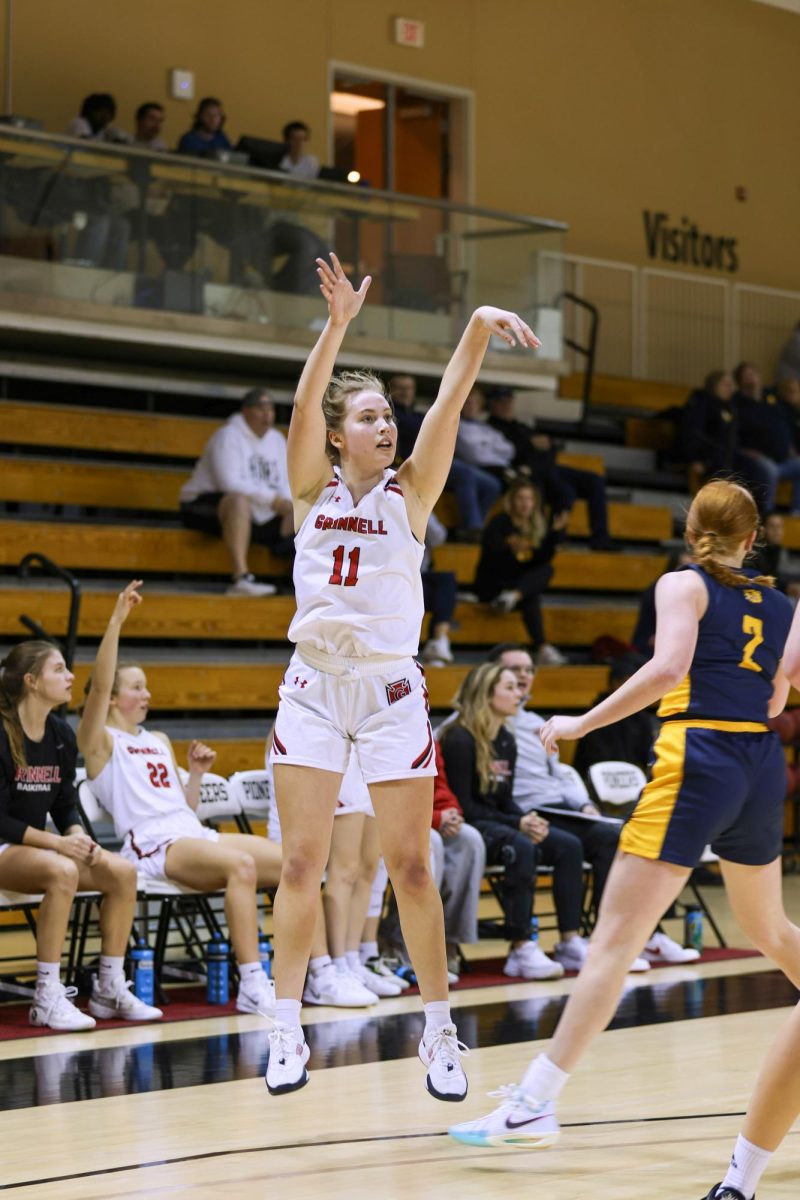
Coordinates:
182 1111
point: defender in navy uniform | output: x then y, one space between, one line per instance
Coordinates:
718 777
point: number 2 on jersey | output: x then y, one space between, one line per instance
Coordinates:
338 562
754 626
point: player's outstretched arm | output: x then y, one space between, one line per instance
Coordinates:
93 741
426 470
681 600
308 466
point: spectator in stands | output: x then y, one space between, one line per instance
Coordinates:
135 777
747 378
478 443
770 558
515 565
37 780
644 635
206 133
560 485
440 592
95 121
766 438
789 359
149 122
788 393
475 490
239 490
296 161
709 437
479 755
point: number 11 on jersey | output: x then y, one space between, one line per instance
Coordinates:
351 578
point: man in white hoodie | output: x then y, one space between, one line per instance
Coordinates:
240 489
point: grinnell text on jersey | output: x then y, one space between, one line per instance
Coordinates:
352 525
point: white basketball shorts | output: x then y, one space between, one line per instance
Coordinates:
329 706
148 850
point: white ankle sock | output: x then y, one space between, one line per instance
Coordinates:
287 1012
340 962
353 959
543 1080
748 1163
111 968
437 1015
47 973
368 950
315 965
248 971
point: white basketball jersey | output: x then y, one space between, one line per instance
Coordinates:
139 785
357 574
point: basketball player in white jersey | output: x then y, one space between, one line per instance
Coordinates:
134 776
353 680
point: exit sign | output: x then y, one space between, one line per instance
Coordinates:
409 33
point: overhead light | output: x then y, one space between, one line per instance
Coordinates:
350 104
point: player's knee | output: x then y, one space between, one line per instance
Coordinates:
243 871
775 941
300 871
122 875
62 876
411 874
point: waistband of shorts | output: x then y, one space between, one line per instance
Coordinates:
720 726
334 664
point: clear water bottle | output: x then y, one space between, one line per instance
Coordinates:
265 954
534 933
693 928
217 970
142 965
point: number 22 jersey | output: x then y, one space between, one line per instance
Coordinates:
357 574
740 643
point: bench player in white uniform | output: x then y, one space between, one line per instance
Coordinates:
135 777
353 680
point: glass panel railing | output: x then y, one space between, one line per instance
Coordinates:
94 225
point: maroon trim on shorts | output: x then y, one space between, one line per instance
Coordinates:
279 746
423 759
141 854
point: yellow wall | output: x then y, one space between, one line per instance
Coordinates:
586 110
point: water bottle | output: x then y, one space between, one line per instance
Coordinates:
534 934
405 972
693 928
265 954
217 970
143 972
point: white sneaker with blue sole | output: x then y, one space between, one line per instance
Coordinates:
519 1121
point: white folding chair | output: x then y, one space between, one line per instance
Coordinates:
254 793
617 783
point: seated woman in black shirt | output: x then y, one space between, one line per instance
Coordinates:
480 753
37 778
514 568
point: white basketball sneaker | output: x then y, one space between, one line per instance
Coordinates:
52 1006
662 949
385 966
256 995
383 986
338 989
518 1121
440 1052
528 961
118 1003
288 1055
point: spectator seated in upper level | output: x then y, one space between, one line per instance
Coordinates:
559 484
769 557
297 161
239 489
148 126
478 444
95 121
206 133
475 491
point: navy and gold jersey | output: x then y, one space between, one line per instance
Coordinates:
740 641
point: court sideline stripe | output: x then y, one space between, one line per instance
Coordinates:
387 1137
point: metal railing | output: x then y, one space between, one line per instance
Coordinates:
35 559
